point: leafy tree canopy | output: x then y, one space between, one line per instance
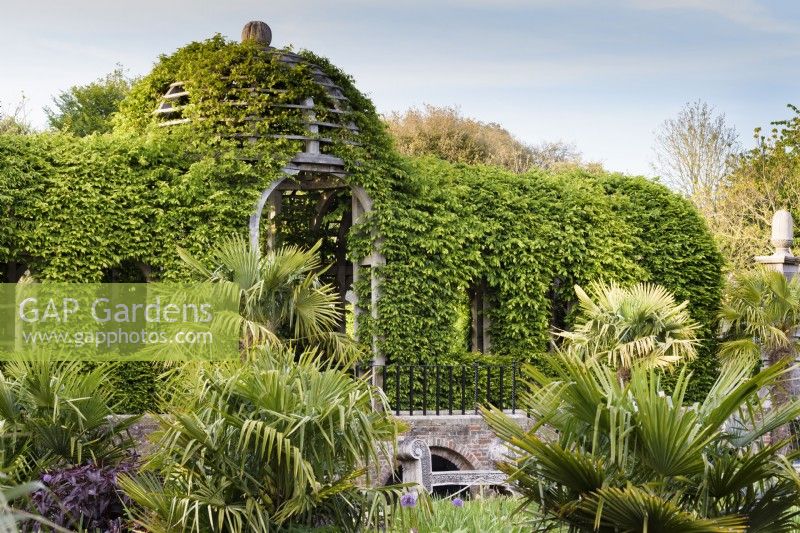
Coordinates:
14 120
445 133
86 109
765 179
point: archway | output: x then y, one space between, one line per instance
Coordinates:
447 460
320 197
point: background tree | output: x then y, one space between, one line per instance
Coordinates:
555 156
14 120
764 180
86 109
694 152
445 133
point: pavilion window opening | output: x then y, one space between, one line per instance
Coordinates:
480 299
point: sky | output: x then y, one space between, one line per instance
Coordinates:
600 74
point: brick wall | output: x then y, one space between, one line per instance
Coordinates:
464 440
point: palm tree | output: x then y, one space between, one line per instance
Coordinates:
633 457
759 318
282 299
629 326
56 414
258 446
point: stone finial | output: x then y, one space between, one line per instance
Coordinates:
258 32
782 231
782 259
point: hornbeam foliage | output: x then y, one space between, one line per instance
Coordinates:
115 207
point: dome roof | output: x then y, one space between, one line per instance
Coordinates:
320 119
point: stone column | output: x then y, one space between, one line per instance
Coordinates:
785 262
414 456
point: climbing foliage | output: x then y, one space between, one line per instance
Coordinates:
114 207
530 238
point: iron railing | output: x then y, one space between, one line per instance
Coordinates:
447 389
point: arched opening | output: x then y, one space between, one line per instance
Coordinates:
301 209
395 476
561 304
13 271
302 217
128 271
480 297
443 464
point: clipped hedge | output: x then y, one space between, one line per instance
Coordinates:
101 207
532 237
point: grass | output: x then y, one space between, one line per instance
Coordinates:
496 514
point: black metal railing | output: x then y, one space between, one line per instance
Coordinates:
447 389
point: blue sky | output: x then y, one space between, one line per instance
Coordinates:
601 74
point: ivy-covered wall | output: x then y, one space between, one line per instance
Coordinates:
532 237
102 207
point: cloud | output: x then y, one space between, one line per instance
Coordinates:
748 13
468 73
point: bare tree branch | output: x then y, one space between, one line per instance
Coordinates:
694 153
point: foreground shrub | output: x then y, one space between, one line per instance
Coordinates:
276 442
84 498
629 457
56 415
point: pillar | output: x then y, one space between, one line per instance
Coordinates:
784 261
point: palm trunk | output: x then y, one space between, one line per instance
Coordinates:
783 391
623 375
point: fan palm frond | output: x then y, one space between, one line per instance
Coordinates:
282 298
627 326
275 441
629 456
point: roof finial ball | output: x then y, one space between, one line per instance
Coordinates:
258 32
782 231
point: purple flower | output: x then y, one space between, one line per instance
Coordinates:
458 502
409 499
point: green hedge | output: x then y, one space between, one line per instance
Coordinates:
96 208
532 237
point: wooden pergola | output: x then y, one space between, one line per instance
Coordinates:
311 169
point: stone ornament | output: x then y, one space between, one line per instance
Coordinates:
782 259
782 231
258 32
